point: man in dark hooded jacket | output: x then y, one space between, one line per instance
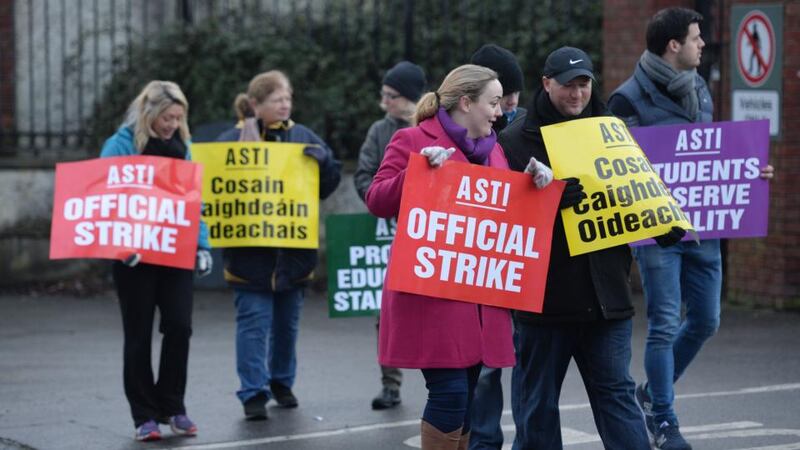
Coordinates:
488 397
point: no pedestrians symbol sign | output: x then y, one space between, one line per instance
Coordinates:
756 63
755 48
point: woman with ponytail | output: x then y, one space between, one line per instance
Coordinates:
448 340
269 282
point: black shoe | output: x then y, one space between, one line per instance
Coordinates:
255 408
668 437
283 395
388 398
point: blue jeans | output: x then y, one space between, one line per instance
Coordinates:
602 352
260 315
487 410
683 273
450 394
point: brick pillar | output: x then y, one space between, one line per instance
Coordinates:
7 59
624 25
767 271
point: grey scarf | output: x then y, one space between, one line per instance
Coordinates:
679 84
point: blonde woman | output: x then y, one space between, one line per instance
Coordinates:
156 125
454 122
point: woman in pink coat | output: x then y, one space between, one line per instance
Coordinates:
449 340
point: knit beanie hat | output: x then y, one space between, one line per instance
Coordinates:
406 78
504 63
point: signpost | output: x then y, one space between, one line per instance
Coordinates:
756 63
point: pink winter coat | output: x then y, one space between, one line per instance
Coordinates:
421 332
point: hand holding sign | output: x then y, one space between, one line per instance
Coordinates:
671 238
316 152
203 262
542 175
132 260
437 155
573 193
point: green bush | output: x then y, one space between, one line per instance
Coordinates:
336 55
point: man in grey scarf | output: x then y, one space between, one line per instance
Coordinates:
666 89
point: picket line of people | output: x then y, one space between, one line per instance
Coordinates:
471 117
588 306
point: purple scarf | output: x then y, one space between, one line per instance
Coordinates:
476 150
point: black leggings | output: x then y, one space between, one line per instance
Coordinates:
141 289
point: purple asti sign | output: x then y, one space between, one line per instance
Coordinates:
713 172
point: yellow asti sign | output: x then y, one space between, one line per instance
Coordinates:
259 194
627 200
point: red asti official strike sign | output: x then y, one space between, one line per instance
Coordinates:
113 207
474 234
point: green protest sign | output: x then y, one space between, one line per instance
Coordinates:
357 253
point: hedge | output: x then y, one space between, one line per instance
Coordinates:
336 53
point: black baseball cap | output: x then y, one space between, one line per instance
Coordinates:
566 63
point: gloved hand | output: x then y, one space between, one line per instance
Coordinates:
767 172
203 262
573 193
132 260
542 175
173 147
672 237
437 155
316 152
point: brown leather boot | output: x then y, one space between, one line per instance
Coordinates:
463 443
433 439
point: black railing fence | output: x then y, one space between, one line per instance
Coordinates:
58 57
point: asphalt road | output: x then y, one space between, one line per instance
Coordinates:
61 383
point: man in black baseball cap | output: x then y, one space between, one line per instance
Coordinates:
567 63
587 301
567 80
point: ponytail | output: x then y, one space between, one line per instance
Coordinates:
426 107
468 80
242 108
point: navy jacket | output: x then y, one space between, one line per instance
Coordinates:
278 269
